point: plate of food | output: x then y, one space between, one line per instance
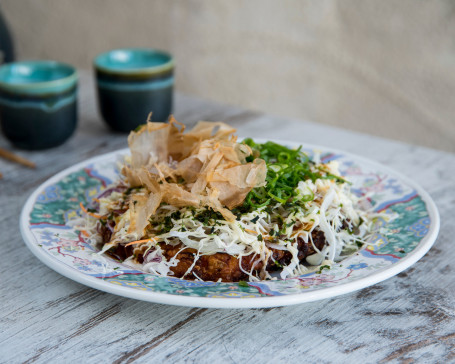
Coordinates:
203 219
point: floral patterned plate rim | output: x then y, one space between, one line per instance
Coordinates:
407 237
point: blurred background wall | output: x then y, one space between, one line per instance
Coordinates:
382 67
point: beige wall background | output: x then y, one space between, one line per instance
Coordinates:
382 67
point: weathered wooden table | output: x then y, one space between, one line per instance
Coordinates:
46 317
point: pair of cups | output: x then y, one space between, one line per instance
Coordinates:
38 99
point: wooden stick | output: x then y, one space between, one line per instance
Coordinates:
15 158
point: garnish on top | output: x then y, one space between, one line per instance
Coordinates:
202 205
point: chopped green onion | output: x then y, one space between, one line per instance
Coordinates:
286 167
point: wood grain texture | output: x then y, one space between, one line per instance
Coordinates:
47 318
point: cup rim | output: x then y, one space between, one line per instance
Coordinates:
41 84
149 70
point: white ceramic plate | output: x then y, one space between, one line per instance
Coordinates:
45 229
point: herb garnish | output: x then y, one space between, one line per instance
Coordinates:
208 217
321 268
255 220
285 169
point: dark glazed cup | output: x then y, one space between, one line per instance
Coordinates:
38 103
131 83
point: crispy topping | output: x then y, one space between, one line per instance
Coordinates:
204 167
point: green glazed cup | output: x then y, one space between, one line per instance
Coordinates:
131 83
38 103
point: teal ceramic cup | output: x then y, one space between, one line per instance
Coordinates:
38 103
133 82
